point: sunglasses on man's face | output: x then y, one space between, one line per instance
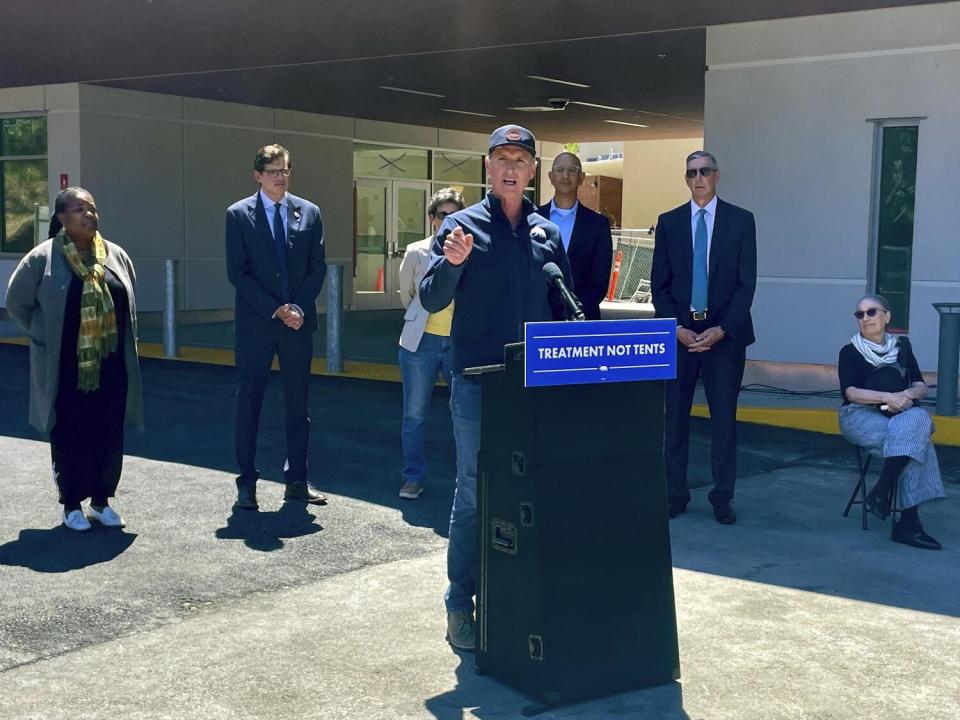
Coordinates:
869 312
440 214
704 172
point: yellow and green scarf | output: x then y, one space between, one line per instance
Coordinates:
98 320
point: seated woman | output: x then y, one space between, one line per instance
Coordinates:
881 382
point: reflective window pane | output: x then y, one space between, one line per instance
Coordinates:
23 136
23 184
386 161
898 179
411 216
471 194
371 239
457 167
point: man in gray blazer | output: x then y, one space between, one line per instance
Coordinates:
275 260
424 347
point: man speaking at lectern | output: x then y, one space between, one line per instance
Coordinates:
489 259
704 274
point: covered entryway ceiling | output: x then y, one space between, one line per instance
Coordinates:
467 64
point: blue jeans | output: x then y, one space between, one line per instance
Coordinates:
419 371
462 548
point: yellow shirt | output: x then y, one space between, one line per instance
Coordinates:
439 323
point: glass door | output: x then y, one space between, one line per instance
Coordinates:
388 216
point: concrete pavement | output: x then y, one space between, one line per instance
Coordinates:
336 612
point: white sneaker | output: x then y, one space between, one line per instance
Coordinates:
107 517
76 520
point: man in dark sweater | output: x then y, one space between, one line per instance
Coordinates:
489 260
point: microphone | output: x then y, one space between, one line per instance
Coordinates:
555 278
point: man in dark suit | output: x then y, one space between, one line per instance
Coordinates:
585 234
275 260
704 275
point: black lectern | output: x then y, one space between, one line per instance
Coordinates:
575 595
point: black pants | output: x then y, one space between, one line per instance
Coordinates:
722 370
256 345
86 443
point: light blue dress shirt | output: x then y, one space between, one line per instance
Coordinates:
271 207
564 218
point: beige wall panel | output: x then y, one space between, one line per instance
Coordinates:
459 140
374 131
63 150
218 171
323 174
869 31
94 98
62 97
21 99
206 285
653 178
223 113
134 169
309 123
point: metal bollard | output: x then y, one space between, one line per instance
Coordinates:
947 362
170 308
335 318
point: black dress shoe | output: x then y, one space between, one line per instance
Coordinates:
724 513
246 498
675 508
877 504
915 537
304 493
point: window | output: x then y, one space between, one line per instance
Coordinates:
894 198
23 180
453 167
389 161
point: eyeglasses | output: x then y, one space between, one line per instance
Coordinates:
869 312
567 171
704 172
440 214
277 172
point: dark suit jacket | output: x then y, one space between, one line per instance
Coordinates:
732 269
252 264
591 254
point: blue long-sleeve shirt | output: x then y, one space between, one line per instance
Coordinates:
501 284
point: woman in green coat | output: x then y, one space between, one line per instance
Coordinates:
74 296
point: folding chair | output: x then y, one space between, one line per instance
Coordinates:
863 466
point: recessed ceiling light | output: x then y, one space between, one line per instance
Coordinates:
558 82
595 105
466 112
536 108
411 92
621 122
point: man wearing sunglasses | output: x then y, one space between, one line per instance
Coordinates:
704 274
275 260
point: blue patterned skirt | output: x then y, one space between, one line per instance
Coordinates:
907 433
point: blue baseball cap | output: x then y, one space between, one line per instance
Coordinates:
513 135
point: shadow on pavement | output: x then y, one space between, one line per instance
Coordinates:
488 698
265 530
59 549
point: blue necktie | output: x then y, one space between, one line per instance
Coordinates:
699 295
280 240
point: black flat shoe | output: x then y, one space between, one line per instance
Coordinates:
304 493
724 513
246 498
877 505
915 537
674 509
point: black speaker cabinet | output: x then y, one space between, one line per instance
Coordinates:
575 595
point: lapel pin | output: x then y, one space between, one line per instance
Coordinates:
296 214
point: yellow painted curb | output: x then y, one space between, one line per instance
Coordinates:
824 420
819 420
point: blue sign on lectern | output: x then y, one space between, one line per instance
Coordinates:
597 351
